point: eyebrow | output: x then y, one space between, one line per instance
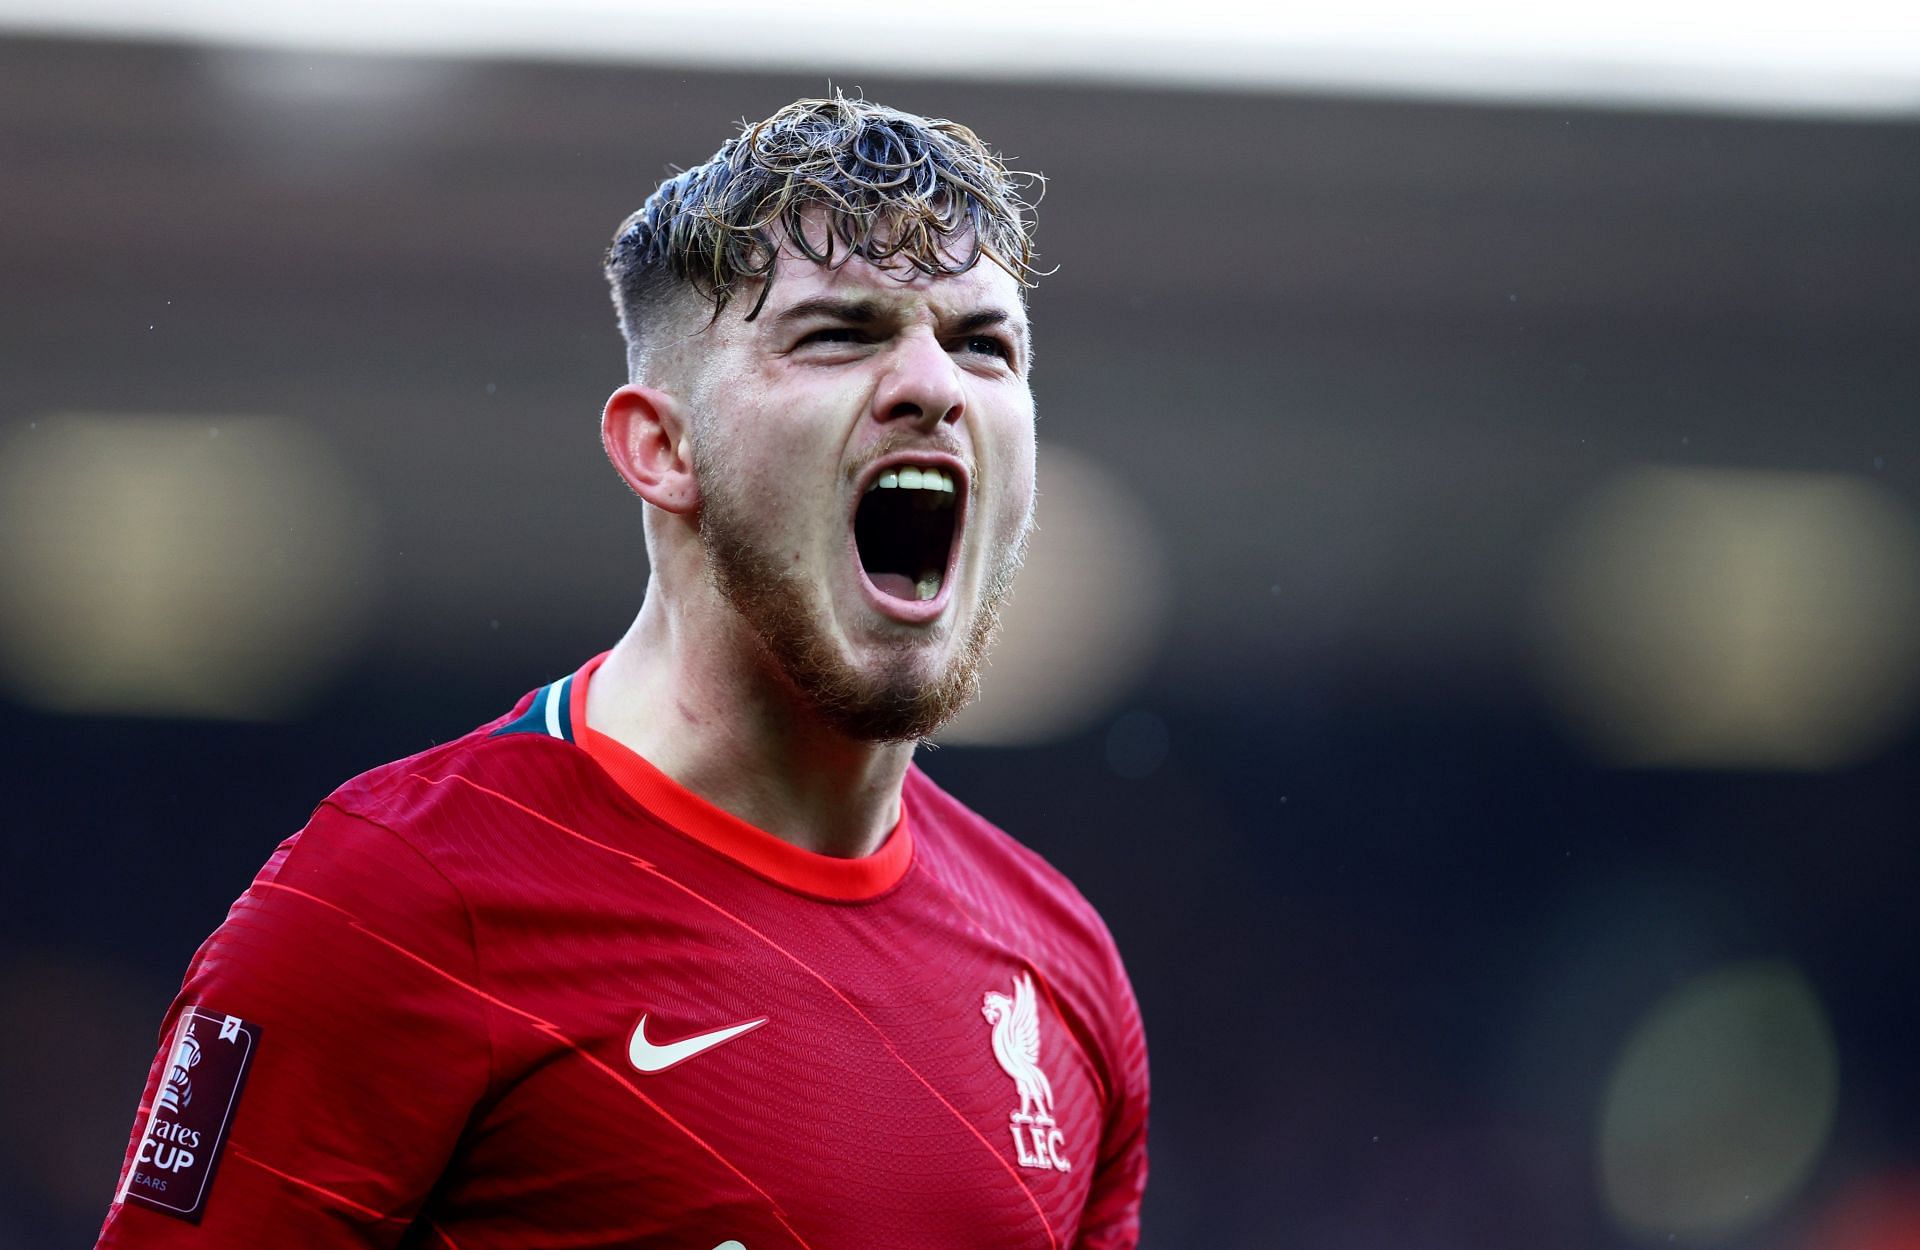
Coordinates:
855 311
986 319
866 312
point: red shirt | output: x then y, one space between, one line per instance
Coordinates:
524 990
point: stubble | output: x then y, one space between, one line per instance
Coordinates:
891 704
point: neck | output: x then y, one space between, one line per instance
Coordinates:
713 718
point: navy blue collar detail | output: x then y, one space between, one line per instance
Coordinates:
550 713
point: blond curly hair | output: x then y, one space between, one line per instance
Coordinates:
834 179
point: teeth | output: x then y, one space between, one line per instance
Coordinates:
910 478
928 586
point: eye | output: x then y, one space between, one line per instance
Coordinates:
987 345
832 334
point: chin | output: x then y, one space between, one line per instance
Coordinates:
892 690
891 698
885 680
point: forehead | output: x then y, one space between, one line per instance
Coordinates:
898 288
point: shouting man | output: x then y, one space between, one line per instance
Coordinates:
683 951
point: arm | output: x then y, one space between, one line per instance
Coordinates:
1111 1220
347 966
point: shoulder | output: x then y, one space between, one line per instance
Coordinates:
401 855
1030 909
404 849
459 793
1010 887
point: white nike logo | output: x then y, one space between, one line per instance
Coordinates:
648 1057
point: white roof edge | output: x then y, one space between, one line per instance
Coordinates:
1727 58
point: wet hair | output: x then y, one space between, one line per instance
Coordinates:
835 178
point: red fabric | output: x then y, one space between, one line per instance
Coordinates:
447 965
773 857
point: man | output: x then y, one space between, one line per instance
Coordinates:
682 950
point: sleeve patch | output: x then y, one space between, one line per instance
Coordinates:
206 1065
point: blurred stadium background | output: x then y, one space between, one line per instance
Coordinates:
1470 656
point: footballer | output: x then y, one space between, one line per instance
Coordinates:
682 950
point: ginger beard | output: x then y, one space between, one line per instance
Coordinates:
894 703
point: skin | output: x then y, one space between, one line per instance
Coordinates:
770 424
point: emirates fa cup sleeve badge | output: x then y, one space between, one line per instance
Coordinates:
206 1064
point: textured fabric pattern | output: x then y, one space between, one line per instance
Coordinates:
448 966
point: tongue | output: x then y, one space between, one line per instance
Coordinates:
897 585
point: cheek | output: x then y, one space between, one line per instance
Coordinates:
793 434
1012 505
767 460
1020 476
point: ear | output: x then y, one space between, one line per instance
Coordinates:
645 432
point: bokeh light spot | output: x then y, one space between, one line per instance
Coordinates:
1723 618
177 566
1084 618
1719 1105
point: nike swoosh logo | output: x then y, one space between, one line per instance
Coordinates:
649 1057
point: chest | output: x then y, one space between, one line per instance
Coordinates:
684 1065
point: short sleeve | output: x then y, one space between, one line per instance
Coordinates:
1111 1218
349 964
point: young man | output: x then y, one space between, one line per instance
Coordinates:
682 951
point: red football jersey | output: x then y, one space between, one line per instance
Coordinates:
524 990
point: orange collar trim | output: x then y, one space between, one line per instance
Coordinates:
773 857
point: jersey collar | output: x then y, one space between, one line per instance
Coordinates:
559 710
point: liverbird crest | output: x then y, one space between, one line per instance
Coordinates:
1016 1044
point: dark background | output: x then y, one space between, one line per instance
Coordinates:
1392 918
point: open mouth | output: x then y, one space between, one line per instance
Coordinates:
904 530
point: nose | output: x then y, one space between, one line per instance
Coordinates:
921 384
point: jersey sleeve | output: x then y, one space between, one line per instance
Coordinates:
348 967
1111 1218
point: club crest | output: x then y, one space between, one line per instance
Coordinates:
1037 1140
